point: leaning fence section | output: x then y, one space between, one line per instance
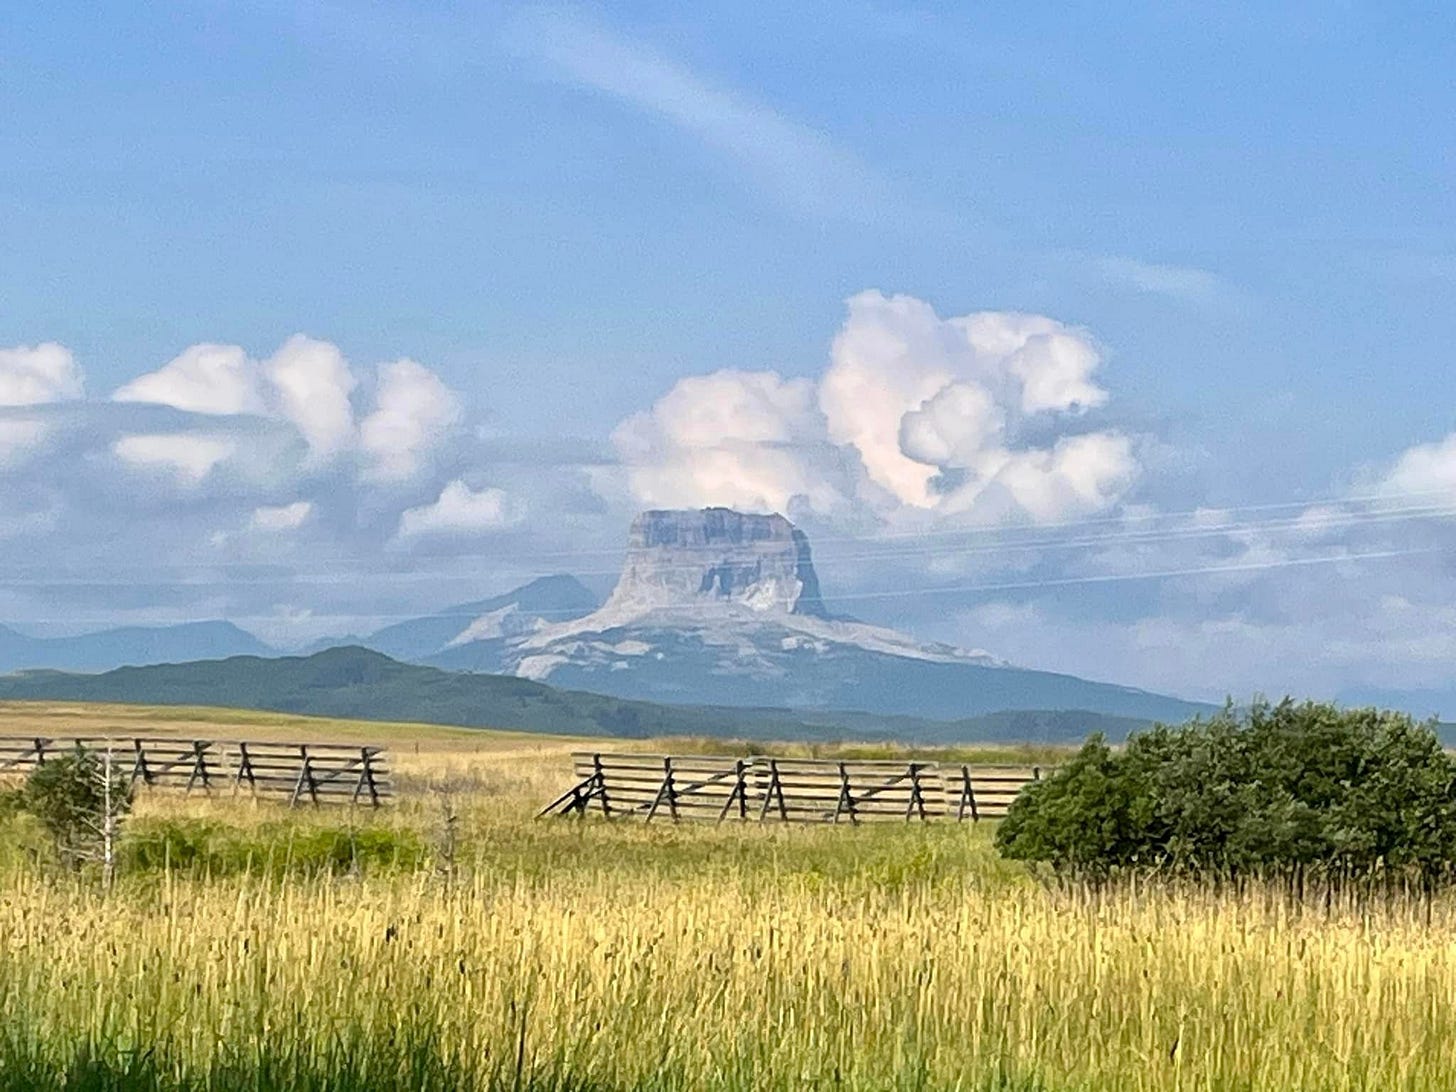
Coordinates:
785 790
300 773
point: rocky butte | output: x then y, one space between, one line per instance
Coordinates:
718 607
717 556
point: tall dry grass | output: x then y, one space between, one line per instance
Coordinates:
573 955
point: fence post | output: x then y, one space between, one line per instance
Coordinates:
666 791
373 784
968 796
739 793
600 786
305 778
245 769
775 788
845 803
199 766
139 767
917 797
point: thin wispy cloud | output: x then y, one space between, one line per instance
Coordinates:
793 162
1185 284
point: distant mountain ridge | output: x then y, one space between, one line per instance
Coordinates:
111 648
713 607
360 683
485 626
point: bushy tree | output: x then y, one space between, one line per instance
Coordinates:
79 798
1272 789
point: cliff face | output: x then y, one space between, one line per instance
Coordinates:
719 607
694 558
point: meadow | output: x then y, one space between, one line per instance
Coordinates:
248 947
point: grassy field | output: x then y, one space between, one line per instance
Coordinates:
245 947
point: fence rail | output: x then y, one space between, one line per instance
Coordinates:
787 790
314 773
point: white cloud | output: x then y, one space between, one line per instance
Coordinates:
312 382
208 379
914 413
1426 468
309 384
190 457
33 375
746 439
1079 475
414 411
458 510
916 395
285 517
1186 284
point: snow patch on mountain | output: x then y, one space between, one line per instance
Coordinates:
738 589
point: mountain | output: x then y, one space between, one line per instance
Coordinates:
724 608
127 645
363 684
486 626
472 636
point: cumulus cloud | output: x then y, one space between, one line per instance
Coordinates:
189 457
745 439
311 385
207 379
286 517
312 382
1425 468
413 409
458 510
976 417
34 375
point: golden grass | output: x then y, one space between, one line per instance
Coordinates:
569 954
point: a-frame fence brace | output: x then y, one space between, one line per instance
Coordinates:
786 790
299 773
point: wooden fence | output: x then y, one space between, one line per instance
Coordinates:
315 773
787 790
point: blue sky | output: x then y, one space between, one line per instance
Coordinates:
562 212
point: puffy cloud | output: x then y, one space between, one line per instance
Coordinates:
31 376
914 413
309 384
312 383
286 517
744 439
917 396
413 410
1079 475
190 457
458 510
1426 468
209 379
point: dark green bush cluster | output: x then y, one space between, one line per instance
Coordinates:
70 795
1274 790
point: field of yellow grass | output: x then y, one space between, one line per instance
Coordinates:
499 952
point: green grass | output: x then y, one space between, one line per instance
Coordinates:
247 947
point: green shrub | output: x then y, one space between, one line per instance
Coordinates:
70 796
207 847
1292 788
